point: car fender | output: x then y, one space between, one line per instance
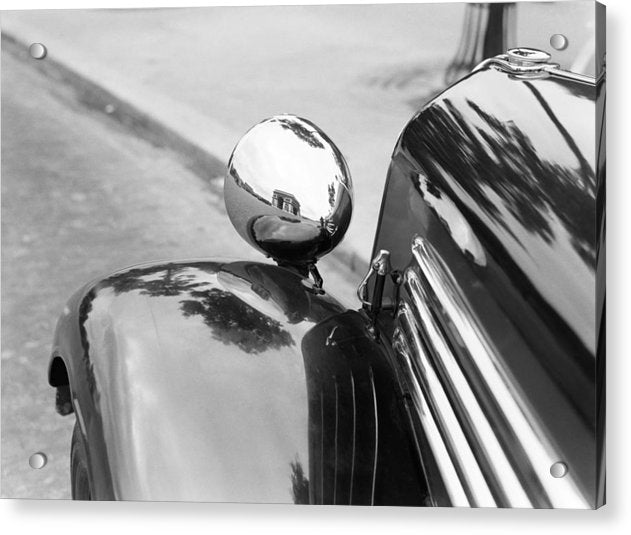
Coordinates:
212 381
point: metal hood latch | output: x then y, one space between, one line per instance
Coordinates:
380 267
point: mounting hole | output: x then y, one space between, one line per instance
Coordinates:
558 469
37 460
37 51
558 41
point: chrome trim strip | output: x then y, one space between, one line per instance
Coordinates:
79 414
337 418
374 467
350 494
502 63
486 447
321 446
576 77
465 481
439 450
514 416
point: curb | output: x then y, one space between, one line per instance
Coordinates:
97 97
131 113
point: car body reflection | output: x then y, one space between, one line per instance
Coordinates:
498 176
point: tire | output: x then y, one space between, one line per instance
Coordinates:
79 475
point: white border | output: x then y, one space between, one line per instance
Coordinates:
51 517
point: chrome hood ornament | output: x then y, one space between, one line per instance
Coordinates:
288 191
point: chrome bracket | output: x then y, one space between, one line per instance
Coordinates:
531 62
315 274
380 267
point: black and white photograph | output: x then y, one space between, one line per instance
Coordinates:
305 254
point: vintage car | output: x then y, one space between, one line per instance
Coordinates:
472 372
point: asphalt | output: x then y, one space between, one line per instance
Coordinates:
82 196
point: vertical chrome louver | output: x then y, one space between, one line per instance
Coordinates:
486 442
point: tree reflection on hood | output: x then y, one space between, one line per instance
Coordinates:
231 320
234 322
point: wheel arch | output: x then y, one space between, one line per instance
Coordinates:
58 372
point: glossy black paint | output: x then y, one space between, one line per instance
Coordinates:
213 381
360 447
498 175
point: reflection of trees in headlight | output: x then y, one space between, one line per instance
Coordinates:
302 130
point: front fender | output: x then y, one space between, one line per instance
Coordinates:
190 382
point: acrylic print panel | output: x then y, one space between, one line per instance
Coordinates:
444 346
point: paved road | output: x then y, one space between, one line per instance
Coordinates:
81 197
